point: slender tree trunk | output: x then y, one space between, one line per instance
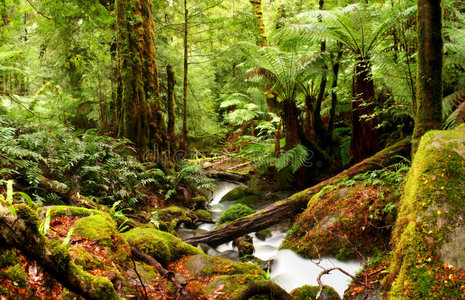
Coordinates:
430 63
332 111
171 103
364 135
139 117
186 72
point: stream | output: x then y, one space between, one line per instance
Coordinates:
288 269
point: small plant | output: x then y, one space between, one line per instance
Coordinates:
10 196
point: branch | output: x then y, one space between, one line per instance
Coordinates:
40 13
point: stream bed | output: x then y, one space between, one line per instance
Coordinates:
288 269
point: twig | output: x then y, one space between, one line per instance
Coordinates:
320 283
137 273
40 13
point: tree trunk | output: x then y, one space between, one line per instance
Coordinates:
297 203
171 103
332 111
23 234
139 117
185 130
430 63
260 37
291 124
364 135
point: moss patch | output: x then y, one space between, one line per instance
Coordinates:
207 266
15 274
231 285
310 292
233 213
342 221
163 246
425 261
168 219
241 192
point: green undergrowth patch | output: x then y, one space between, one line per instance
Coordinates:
233 213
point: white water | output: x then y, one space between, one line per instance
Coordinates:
289 270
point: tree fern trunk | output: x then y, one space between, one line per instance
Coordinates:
291 124
364 135
260 37
430 62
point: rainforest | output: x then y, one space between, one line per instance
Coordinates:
232 149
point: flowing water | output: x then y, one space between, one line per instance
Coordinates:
288 269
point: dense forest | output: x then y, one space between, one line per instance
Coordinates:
232 149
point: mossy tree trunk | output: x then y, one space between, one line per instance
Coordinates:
185 130
429 64
171 103
260 37
291 123
364 136
138 114
332 111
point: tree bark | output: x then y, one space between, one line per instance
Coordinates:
21 232
295 204
332 111
364 136
291 124
171 103
139 116
260 37
185 130
429 64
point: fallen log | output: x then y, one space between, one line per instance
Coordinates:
21 232
295 204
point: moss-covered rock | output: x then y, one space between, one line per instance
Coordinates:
168 218
69 211
344 220
207 266
428 259
86 260
203 214
102 228
263 234
200 202
162 246
310 292
231 285
234 212
242 194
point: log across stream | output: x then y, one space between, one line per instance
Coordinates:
288 269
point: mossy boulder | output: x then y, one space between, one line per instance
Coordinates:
428 259
162 246
200 202
231 285
234 212
263 234
168 218
102 228
310 292
243 195
207 266
203 214
343 220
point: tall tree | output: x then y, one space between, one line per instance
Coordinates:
430 63
138 113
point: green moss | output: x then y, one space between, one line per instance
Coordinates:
207 266
8 257
170 217
87 261
200 202
100 227
100 286
309 292
428 238
163 246
263 234
28 215
59 254
203 214
232 284
72 211
239 193
15 274
358 213
234 212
